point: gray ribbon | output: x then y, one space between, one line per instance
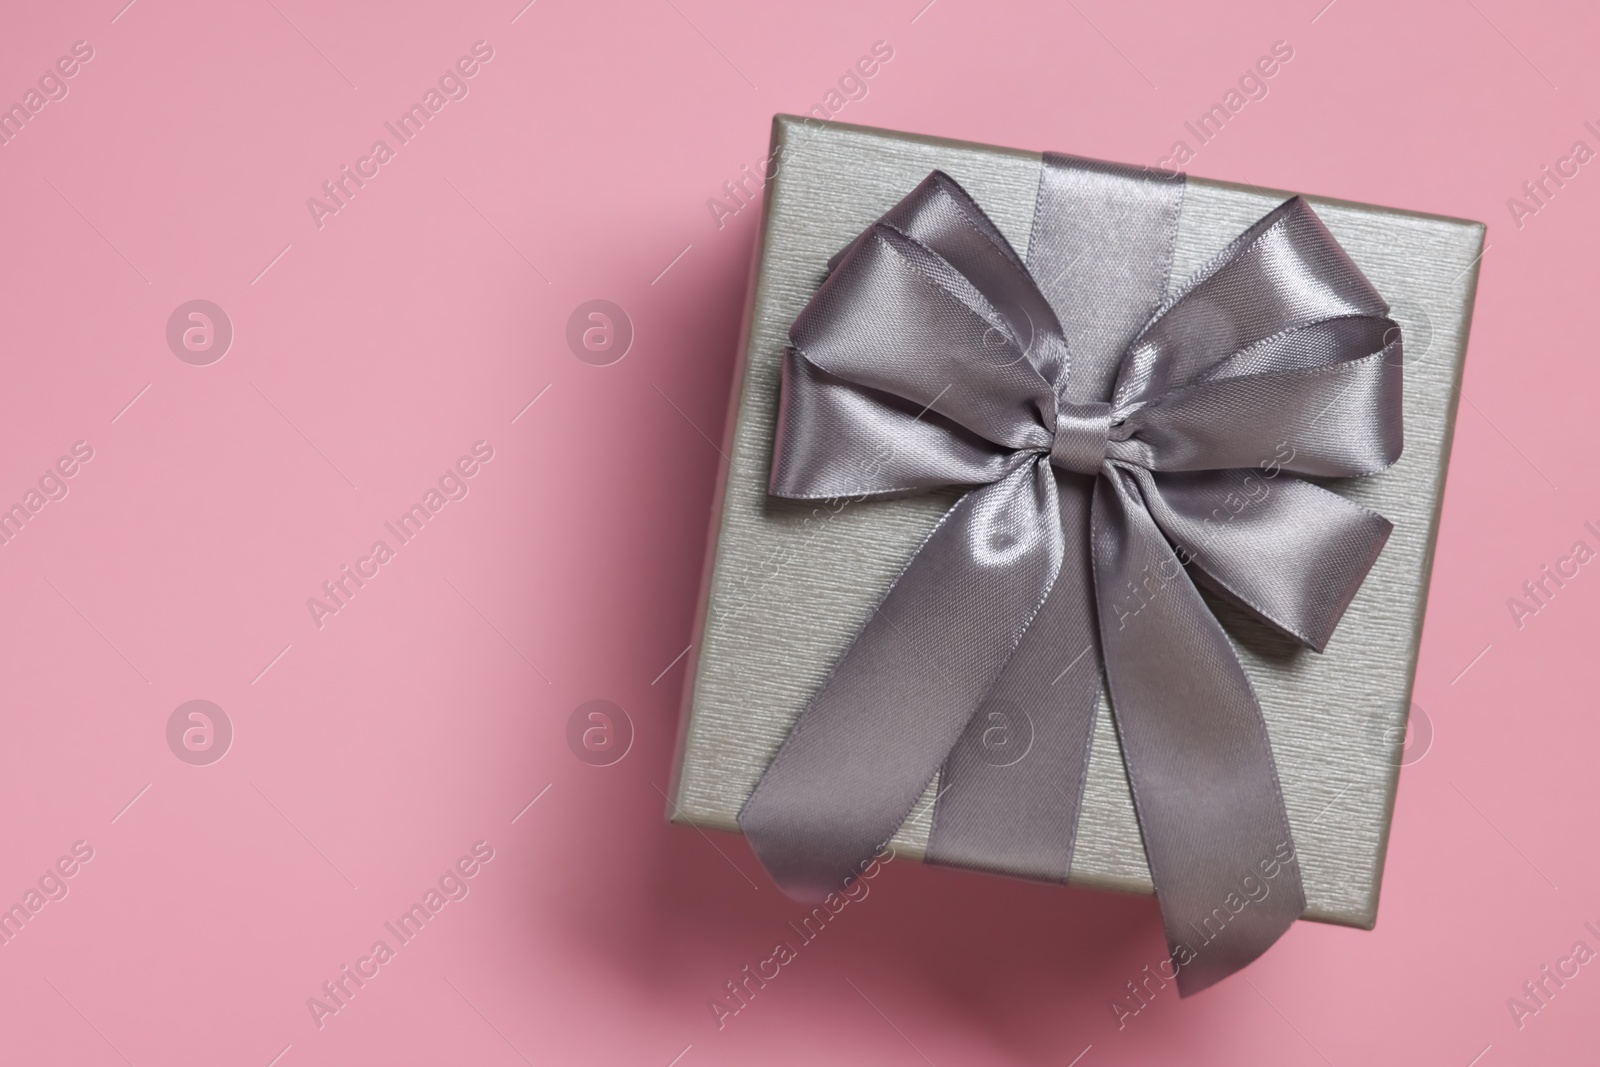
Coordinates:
1120 448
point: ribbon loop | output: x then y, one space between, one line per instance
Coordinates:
1110 476
1290 552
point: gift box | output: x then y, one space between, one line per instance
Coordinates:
790 583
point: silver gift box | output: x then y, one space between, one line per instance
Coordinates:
788 584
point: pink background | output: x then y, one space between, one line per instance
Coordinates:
369 354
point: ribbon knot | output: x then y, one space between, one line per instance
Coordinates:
1082 433
930 357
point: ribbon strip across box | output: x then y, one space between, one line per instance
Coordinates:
790 583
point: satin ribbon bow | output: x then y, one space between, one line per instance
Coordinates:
1101 487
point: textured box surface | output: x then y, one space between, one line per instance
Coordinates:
790 583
